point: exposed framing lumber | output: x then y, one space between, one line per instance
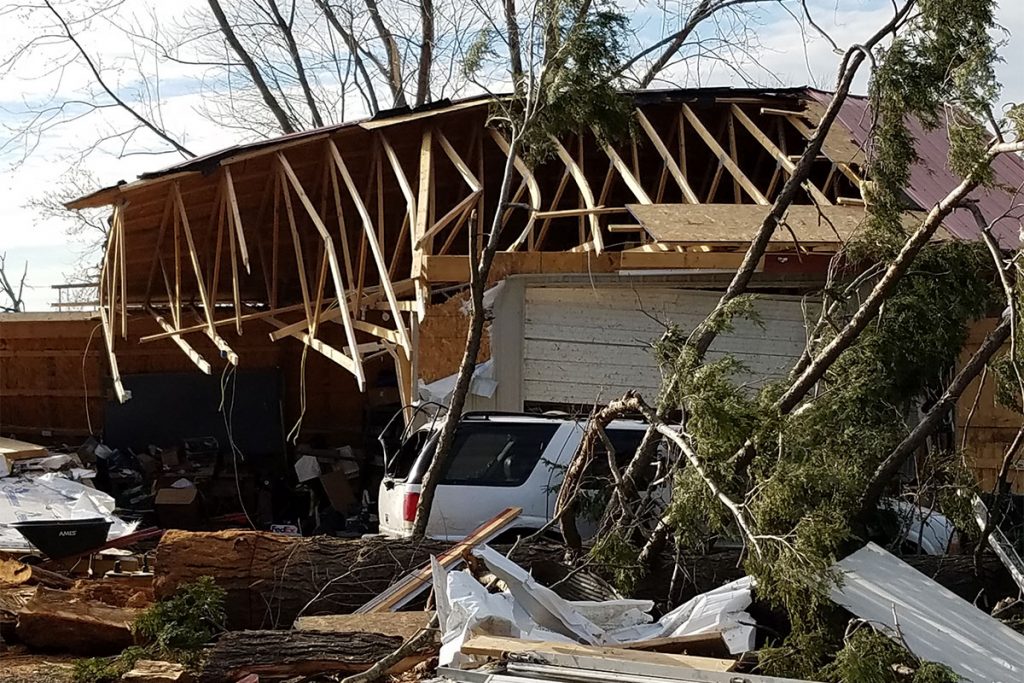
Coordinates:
371 238
191 353
584 187
317 345
626 174
723 157
226 352
531 185
779 155
243 249
258 315
335 268
458 162
670 164
194 258
300 259
460 209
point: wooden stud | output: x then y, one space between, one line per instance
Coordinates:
320 347
460 165
218 253
666 157
331 259
378 257
627 175
733 154
233 248
192 354
168 206
225 349
300 260
194 257
276 247
176 310
531 185
258 315
585 191
237 218
115 374
462 207
724 157
122 231
779 155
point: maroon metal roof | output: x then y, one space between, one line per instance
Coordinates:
931 180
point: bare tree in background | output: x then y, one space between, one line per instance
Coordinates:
11 301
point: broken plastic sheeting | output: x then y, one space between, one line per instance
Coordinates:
934 623
531 611
52 497
483 384
722 610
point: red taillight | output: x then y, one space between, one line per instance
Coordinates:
409 505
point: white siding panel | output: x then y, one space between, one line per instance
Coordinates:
586 345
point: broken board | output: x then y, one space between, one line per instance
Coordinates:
404 624
12 449
499 647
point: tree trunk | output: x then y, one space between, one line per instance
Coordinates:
14 573
61 621
301 653
931 421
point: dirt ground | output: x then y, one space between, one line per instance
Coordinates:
23 668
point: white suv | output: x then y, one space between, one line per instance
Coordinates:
498 460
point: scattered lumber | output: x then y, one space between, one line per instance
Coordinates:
14 573
12 449
701 644
415 582
500 647
63 621
269 654
403 624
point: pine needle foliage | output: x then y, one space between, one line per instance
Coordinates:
175 630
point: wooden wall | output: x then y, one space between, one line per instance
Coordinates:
48 379
992 427
442 338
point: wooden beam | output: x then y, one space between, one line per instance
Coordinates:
233 203
666 157
467 175
378 257
300 259
458 210
627 175
723 157
318 346
168 207
531 185
585 191
190 352
194 258
258 315
115 374
332 261
378 331
223 347
779 155
426 180
591 211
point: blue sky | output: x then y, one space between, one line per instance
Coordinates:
784 53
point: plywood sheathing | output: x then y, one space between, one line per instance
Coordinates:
737 224
442 339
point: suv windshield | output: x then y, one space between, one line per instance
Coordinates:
486 454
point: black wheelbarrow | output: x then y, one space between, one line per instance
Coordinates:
59 538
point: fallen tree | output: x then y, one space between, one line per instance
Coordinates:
271 579
54 620
301 653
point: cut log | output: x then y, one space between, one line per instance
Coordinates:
271 579
61 621
300 653
14 573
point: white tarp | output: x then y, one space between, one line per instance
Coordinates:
51 496
935 624
531 611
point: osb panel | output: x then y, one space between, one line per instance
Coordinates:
442 338
990 428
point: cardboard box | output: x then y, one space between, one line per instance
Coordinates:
179 508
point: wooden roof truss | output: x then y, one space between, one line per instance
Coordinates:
335 240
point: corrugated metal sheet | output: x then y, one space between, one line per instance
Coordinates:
931 179
935 624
